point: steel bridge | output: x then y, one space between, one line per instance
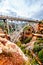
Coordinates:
17 19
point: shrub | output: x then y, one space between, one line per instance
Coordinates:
37 48
40 55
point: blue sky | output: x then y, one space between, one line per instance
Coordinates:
24 8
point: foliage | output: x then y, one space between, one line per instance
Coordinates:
26 28
37 48
34 62
40 40
18 43
27 40
40 55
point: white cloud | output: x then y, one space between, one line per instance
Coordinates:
21 7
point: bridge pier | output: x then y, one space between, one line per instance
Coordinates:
6 26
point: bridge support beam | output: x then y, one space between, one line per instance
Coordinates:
6 26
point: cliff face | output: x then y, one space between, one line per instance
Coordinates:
5 59
10 53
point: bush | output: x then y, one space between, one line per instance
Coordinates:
27 40
40 40
18 43
37 48
40 55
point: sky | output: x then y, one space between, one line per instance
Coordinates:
32 9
